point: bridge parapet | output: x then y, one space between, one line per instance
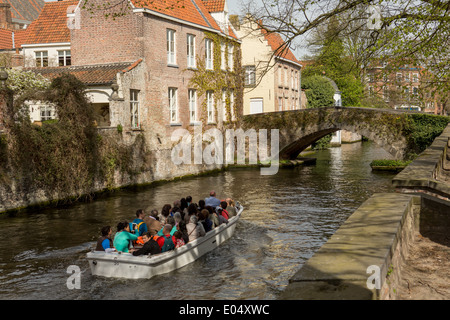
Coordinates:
391 129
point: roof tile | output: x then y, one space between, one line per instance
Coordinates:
51 26
98 74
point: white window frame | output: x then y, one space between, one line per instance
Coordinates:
233 116
222 56
192 94
41 57
250 76
134 109
210 106
171 47
224 104
46 112
230 57
64 56
191 63
209 63
173 105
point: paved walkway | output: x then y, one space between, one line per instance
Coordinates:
426 271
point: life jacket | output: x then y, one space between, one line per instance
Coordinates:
140 240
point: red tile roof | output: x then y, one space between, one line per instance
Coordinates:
11 39
98 74
192 11
6 39
214 5
279 46
51 26
25 9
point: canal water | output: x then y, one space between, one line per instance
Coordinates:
287 218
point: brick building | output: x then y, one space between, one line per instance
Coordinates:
139 61
402 87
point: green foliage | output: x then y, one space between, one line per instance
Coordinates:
423 129
319 91
65 157
217 80
390 163
322 143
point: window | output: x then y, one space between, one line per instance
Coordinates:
407 77
280 76
171 47
224 105
250 76
399 77
233 116
385 93
210 106
41 58
209 54
230 57
416 92
173 105
280 103
191 51
134 108
192 105
47 113
222 56
415 77
64 58
286 83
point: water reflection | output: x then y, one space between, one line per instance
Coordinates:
287 218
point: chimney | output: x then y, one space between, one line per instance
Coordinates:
5 16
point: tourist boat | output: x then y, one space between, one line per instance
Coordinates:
125 265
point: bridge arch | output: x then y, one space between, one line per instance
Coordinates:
298 129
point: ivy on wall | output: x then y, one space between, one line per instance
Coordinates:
217 79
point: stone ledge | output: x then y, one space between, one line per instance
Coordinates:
372 235
423 174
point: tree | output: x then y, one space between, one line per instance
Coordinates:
319 91
393 30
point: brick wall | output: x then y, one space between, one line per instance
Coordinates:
101 39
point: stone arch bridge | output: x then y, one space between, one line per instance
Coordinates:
298 129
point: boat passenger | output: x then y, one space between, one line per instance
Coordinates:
192 211
150 246
212 200
182 228
201 204
167 241
105 242
123 237
230 207
223 205
204 219
221 218
213 217
169 221
152 222
189 200
140 226
195 229
177 218
179 236
165 212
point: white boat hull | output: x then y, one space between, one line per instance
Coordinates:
125 265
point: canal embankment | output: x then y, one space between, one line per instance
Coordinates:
372 255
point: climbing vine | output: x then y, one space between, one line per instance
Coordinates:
217 80
66 157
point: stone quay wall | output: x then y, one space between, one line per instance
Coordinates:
363 259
